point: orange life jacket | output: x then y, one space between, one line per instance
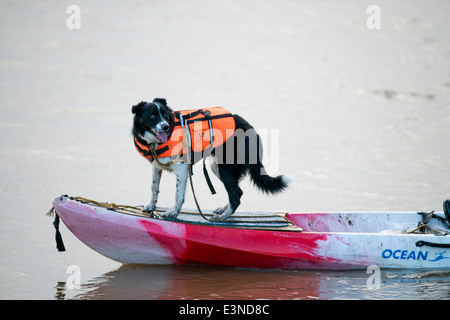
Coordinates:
199 127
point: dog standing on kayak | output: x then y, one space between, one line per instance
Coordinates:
172 140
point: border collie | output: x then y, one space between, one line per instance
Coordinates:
153 124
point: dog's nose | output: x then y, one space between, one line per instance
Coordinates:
165 126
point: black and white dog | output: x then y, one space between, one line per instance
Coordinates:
153 124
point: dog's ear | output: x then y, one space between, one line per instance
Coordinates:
138 107
161 101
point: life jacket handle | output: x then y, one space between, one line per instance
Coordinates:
179 115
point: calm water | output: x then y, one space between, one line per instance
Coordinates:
363 118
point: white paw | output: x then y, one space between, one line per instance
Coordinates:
171 213
149 207
222 216
218 211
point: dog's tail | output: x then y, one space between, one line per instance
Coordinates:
266 183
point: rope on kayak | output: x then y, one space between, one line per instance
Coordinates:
58 238
195 198
107 205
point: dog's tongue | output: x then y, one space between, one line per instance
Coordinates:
162 136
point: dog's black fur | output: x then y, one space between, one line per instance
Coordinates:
150 121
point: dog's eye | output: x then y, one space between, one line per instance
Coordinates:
166 116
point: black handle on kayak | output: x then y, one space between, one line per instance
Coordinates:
447 210
422 243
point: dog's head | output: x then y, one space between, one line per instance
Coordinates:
153 121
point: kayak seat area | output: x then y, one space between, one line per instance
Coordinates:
362 222
257 220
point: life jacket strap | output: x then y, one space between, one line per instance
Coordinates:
185 126
208 180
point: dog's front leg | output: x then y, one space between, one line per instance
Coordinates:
181 172
156 178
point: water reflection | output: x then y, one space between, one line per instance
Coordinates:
201 282
139 282
60 290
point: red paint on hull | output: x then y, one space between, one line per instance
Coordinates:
240 247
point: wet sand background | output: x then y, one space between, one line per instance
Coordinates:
363 118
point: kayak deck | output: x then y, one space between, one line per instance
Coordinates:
256 220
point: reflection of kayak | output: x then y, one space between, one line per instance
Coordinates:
262 239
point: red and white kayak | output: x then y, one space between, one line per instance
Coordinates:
262 239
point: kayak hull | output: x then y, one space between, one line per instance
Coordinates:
328 240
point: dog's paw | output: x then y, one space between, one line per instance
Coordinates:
219 211
223 215
171 213
149 208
